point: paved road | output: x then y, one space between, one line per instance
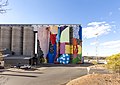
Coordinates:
45 76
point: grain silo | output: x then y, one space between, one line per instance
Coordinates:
28 41
17 43
63 43
5 38
0 38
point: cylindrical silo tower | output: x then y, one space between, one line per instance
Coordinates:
0 39
28 41
5 37
17 44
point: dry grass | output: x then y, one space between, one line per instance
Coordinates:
96 79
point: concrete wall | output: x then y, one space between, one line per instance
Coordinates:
12 61
5 35
28 41
16 40
0 38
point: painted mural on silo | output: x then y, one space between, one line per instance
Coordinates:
77 44
60 44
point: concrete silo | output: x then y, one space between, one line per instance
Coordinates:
17 37
5 37
0 38
28 41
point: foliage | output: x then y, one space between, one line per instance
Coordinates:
94 62
113 62
3 4
42 60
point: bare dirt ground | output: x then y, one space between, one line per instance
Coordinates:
96 78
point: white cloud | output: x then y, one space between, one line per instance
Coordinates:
113 22
110 47
111 44
96 29
114 31
95 23
94 43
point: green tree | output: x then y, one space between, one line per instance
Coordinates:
113 62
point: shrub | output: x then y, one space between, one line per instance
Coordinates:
94 62
113 62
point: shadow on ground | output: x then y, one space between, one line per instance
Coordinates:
24 72
19 75
65 65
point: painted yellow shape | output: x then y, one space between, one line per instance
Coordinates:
69 49
79 49
65 35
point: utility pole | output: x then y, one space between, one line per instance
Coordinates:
97 47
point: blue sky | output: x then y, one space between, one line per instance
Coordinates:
95 16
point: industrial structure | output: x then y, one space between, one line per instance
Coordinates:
34 44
